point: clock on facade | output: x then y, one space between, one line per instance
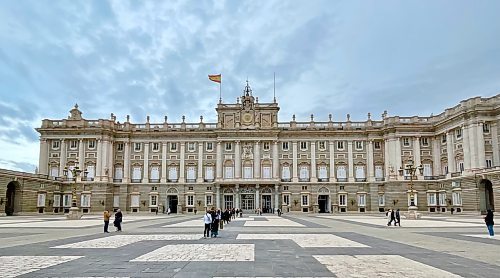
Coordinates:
247 117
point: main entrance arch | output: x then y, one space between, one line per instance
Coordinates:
11 197
486 196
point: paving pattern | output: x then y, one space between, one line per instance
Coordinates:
295 245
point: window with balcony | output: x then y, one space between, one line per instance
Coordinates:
427 169
136 174
379 172
228 172
284 146
209 173
155 174
266 172
360 173
54 172
322 173
191 173
172 173
341 173
285 173
90 172
304 173
248 172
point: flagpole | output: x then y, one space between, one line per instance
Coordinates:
220 91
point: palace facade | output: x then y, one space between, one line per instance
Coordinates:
250 160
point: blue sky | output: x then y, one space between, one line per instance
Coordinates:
153 57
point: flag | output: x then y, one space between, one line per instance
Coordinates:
215 78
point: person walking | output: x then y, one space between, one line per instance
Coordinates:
488 219
389 217
107 215
118 220
398 218
207 220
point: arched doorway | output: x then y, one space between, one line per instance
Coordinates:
10 203
324 200
172 200
486 196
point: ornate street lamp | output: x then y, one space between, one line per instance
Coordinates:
410 170
74 211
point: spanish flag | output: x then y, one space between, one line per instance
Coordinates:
215 78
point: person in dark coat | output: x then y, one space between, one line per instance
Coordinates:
398 218
118 220
488 219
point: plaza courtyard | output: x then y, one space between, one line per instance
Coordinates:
294 245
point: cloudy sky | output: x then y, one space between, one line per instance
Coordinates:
153 57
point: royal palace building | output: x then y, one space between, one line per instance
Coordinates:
250 160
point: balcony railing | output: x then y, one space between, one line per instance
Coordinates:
172 180
342 179
360 179
323 179
117 180
209 180
154 180
286 180
380 179
135 180
190 180
304 179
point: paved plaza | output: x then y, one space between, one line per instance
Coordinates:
294 245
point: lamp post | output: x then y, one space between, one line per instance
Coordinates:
74 211
410 169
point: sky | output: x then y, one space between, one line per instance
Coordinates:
152 58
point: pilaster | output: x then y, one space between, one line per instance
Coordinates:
494 143
218 166
237 160
256 161
350 159
480 146
313 162
182 165
163 178
199 176
145 176
295 177
331 147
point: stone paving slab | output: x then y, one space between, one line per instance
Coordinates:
307 240
13 266
201 253
422 223
122 240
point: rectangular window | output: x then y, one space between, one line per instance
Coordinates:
406 141
156 147
247 172
119 147
191 172
458 133
73 144
91 172
427 170
209 173
303 145
442 199
457 198
266 146
41 200
118 173
284 146
322 172
190 200
360 172
489 164
285 172
266 172
208 200
341 172
136 173
486 128
342 200
443 138
424 141
286 199
229 146
173 147
210 146
414 198
340 145
381 200
228 172
92 144
85 200
67 200
379 171
137 147
191 147
285 188
377 145
431 199
54 172
155 173
322 145
305 200
359 145
134 201
461 166
304 172
172 173
362 200
55 145
153 200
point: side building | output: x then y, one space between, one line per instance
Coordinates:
250 160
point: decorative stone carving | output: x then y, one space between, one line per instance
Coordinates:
247 152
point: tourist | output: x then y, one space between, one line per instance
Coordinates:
398 218
390 217
107 215
215 223
207 220
233 213
168 211
279 212
488 219
118 220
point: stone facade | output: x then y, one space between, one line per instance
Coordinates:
250 160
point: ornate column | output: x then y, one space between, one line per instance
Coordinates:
494 143
474 159
387 158
398 154
218 165
256 161
450 152
416 153
217 196
313 162
350 160
43 161
369 162
126 163
98 166
481 156
466 148
81 155
436 156
62 159
276 161
295 177
111 160
163 162
104 160
331 146
182 163
237 160
257 196
145 176
199 176
237 196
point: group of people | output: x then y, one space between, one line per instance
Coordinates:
117 222
393 216
214 219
